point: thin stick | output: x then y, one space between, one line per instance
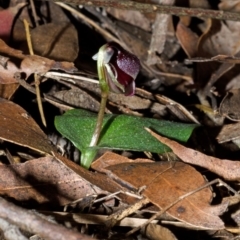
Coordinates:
89 21
146 7
34 223
58 75
93 218
119 215
34 12
36 77
28 36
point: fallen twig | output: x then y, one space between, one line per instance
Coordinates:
146 7
31 222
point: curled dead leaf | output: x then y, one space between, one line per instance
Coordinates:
229 170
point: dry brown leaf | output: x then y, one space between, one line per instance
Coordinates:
8 51
158 232
60 44
54 180
229 106
227 5
159 35
135 18
75 97
19 128
48 11
29 65
44 180
41 65
61 41
233 6
164 183
177 109
100 180
110 158
188 39
219 38
7 74
7 90
78 98
229 132
229 170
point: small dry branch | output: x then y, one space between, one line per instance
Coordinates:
146 7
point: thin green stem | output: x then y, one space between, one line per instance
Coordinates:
87 157
98 128
89 154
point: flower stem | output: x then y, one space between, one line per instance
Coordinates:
97 131
89 154
87 157
104 95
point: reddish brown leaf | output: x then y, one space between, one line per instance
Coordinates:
19 128
110 158
7 90
229 170
158 232
187 39
165 182
100 180
6 50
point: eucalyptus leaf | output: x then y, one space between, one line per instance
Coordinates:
120 132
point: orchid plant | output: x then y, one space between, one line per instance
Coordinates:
117 72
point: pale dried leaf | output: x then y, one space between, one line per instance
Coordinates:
229 170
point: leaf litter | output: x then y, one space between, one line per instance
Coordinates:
202 89
164 183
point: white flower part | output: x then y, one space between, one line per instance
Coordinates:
108 53
112 75
112 70
95 57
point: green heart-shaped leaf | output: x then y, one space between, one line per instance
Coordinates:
121 132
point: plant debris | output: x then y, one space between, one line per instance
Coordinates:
167 159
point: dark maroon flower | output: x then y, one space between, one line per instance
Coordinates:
120 68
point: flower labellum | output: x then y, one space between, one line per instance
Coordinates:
118 67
